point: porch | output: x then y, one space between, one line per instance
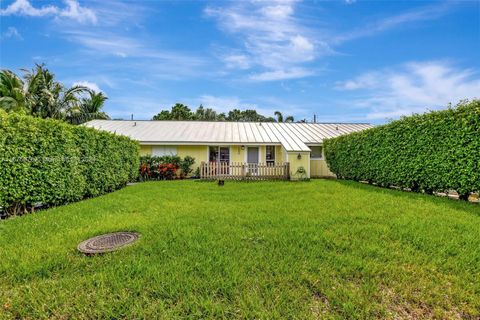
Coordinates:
244 171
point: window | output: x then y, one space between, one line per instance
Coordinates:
160 151
270 154
212 154
317 152
225 154
221 154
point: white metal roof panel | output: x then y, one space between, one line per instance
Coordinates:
293 136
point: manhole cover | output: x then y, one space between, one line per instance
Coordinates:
107 242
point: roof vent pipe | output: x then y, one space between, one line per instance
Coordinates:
336 127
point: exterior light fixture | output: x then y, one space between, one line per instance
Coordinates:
242 147
299 157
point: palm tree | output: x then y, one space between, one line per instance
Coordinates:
47 97
38 94
12 97
279 116
89 108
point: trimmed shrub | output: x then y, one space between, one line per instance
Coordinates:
49 162
435 151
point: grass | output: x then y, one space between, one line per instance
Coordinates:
319 249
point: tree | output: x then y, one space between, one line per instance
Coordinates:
48 98
163 115
90 108
234 115
38 94
207 114
12 95
247 115
279 116
181 112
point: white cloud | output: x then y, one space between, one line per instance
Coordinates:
78 13
24 8
272 38
391 22
73 10
11 32
283 74
411 88
237 61
367 80
137 56
91 85
106 43
280 11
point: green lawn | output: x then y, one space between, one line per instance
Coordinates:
319 249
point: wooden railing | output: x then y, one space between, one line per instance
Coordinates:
244 171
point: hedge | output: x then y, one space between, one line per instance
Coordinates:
432 152
49 162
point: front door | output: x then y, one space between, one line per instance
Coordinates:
252 160
252 155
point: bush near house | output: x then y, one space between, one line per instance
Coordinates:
436 151
165 167
49 162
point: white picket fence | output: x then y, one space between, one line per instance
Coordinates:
244 171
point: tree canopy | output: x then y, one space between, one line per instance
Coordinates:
38 94
182 112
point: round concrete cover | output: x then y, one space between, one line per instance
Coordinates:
107 242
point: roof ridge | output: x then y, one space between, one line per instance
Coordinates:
209 121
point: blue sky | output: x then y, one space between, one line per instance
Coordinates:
356 61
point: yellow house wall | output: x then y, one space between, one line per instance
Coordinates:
145 150
296 163
200 153
319 168
237 154
278 154
262 158
283 154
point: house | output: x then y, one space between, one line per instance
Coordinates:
225 143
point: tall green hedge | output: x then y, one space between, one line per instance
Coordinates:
435 151
51 162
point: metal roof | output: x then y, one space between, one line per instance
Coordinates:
292 136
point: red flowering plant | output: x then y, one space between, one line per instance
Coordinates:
167 171
145 172
164 167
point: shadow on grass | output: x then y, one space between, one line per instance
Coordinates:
470 207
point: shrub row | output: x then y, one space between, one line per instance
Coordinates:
165 167
435 151
49 162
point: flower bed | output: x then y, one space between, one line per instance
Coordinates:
165 167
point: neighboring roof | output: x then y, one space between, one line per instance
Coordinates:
293 136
